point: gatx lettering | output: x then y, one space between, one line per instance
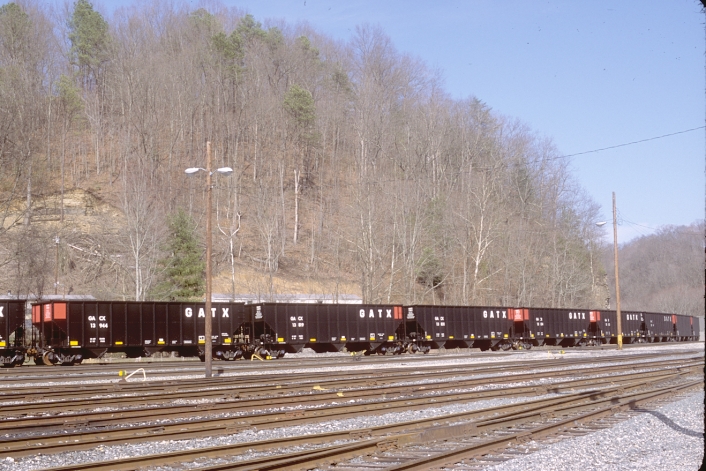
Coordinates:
494 314
189 312
371 314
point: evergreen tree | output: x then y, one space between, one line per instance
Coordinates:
15 30
184 267
88 33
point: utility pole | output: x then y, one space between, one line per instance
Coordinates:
617 282
226 171
56 266
207 327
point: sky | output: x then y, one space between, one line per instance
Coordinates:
586 75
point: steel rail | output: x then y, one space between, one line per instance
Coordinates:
225 393
311 458
245 387
317 398
475 450
9 383
262 420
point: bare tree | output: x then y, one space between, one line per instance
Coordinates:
144 230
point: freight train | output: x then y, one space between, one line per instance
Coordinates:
66 333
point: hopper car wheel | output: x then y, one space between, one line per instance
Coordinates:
46 360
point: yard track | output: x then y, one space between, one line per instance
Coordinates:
134 412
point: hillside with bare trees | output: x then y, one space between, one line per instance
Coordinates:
354 170
662 272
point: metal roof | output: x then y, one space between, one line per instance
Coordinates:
288 298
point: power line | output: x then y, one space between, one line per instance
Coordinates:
673 227
634 142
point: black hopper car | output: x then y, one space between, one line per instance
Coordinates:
71 331
13 340
67 332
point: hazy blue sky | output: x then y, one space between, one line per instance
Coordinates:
587 75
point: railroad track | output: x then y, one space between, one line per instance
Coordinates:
24 417
116 426
442 441
43 378
65 426
106 380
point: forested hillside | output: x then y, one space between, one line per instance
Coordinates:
353 168
662 272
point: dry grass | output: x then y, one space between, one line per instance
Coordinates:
250 281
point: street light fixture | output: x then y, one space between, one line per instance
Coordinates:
619 325
208 350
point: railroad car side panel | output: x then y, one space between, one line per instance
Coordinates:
440 326
458 326
566 327
579 325
161 325
96 320
284 326
76 325
370 325
698 324
608 326
12 317
445 326
555 326
241 324
421 317
174 324
538 325
192 325
492 326
326 327
416 332
119 324
227 319
495 322
658 326
138 323
633 325
333 331
146 316
331 327
298 320
291 322
683 327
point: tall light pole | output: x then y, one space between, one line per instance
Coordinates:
619 325
617 280
56 266
208 348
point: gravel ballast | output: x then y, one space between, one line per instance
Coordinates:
668 438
